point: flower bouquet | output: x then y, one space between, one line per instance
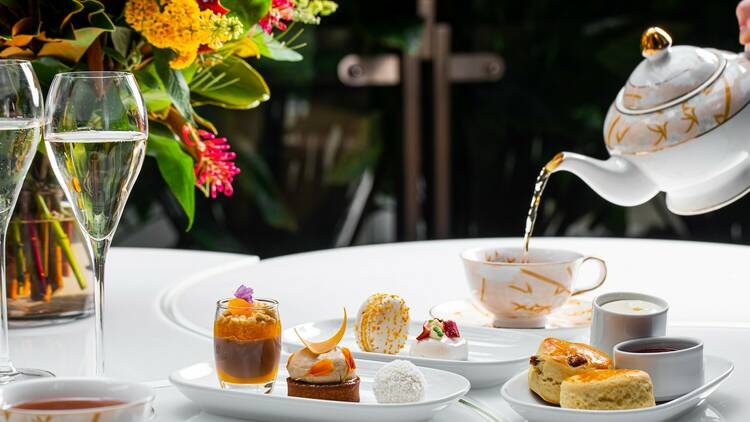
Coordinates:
184 54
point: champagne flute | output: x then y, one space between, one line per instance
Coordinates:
21 113
95 134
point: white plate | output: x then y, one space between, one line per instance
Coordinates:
199 384
516 392
494 355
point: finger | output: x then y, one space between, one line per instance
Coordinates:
743 15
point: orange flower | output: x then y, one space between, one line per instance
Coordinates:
181 26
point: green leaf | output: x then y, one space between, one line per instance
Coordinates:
249 12
121 39
271 48
231 83
46 68
71 50
174 83
94 15
176 167
152 88
56 16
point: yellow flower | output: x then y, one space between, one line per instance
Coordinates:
181 26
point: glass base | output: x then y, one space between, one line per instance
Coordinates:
251 388
24 374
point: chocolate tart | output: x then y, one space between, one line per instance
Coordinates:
345 391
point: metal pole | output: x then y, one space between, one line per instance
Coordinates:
441 86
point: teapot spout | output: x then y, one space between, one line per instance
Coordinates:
616 180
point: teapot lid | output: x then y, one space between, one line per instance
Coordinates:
668 75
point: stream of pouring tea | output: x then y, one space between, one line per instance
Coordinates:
536 199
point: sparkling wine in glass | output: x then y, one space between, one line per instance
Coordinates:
95 136
21 113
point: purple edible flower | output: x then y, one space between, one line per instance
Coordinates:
244 292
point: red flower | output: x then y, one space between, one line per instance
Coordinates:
214 5
280 11
214 168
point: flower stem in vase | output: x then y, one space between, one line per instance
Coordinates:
62 240
68 225
12 282
44 234
36 253
21 270
58 267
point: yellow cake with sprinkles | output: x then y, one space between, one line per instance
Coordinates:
382 324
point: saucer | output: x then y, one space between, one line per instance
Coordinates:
200 384
516 392
494 355
569 322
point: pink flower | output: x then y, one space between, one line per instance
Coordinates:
214 168
280 11
244 292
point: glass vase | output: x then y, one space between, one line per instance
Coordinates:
48 269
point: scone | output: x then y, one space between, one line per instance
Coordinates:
558 359
608 389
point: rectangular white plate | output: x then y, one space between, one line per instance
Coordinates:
200 384
495 355
516 392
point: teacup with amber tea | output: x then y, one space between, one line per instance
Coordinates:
76 400
521 288
247 341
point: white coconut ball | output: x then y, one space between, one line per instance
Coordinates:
399 381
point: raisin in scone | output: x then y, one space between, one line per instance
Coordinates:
559 359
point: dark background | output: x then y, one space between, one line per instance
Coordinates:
565 62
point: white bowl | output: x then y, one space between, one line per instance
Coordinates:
137 398
673 373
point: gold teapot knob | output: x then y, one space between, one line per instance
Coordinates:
655 42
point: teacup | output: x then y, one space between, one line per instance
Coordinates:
521 290
675 364
76 400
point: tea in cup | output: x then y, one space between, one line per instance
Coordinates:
520 289
77 400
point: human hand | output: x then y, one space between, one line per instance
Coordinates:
743 19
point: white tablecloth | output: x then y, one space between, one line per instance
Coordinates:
707 286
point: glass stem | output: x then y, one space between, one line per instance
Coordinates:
6 366
98 250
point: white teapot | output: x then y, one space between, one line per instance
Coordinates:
680 125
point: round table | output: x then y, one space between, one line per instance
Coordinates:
160 305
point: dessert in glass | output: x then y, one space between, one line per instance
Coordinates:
247 341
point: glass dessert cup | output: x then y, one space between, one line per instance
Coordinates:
247 345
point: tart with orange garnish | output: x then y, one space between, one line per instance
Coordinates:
323 370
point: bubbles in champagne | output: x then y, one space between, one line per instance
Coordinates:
97 169
18 141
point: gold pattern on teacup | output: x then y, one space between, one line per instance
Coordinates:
528 290
560 287
535 308
481 292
